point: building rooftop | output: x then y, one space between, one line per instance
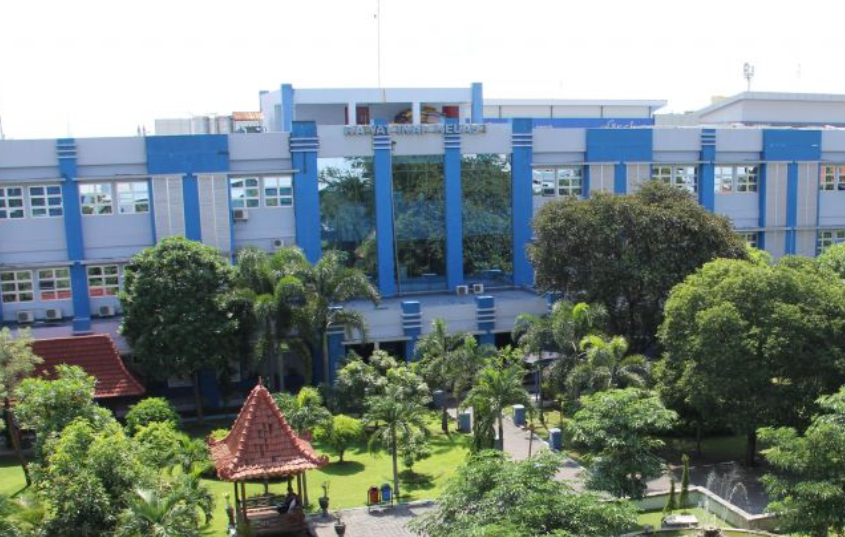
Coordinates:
261 444
97 355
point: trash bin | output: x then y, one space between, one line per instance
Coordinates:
465 422
386 493
519 415
556 439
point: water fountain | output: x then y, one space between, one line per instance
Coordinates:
728 486
710 531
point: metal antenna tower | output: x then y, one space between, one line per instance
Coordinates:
748 74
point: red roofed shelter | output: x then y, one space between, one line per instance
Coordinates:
97 355
259 447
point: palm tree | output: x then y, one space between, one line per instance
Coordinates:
266 283
398 421
605 365
21 516
496 388
326 284
439 362
149 513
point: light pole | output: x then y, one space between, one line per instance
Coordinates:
748 74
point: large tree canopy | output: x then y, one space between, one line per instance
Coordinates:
627 252
754 343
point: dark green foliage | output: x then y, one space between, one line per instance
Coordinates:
671 501
150 410
627 252
833 259
683 499
492 496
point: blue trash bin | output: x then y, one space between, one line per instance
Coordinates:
386 493
555 439
519 415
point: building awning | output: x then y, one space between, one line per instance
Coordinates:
97 355
261 444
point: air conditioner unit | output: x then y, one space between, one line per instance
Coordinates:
106 311
240 215
279 243
461 290
477 288
53 314
25 317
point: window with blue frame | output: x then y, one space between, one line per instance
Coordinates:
419 223
347 209
487 219
45 201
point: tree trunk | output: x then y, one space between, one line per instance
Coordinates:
751 449
198 399
15 436
501 432
444 416
326 374
395 467
342 451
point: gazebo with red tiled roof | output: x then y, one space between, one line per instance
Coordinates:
262 446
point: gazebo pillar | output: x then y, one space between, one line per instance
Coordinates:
243 502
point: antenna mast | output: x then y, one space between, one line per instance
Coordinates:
748 74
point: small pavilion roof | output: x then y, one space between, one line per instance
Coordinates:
261 444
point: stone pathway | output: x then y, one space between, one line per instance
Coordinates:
516 445
378 523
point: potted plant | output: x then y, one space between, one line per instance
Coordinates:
339 524
324 499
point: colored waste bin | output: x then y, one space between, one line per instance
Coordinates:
373 495
555 439
519 415
465 422
386 493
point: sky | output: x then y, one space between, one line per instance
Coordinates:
104 67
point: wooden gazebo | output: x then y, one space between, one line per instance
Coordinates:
261 446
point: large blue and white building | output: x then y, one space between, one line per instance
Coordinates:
432 191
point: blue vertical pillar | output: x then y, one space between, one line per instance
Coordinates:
791 207
287 107
585 183
521 198
306 193
334 345
707 183
485 316
191 197
383 167
762 185
620 178
477 110
411 326
66 151
454 218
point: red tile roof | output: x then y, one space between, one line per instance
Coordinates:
97 355
261 444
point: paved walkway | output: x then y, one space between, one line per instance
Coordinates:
382 523
517 443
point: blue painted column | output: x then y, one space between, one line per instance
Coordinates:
485 315
585 184
620 178
521 198
306 193
454 216
383 168
334 346
287 107
707 182
411 326
762 184
791 207
66 150
191 197
477 110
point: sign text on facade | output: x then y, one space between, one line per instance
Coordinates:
440 128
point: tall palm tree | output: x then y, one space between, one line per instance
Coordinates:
267 283
397 420
439 361
606 365
496 388
327 284
150 513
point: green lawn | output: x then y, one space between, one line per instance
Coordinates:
11 477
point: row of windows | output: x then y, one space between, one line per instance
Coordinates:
828 238
54 283
45 201
268 191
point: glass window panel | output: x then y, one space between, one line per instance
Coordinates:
133 197
17 286
54 284
487 218
419 222
96 198
347 209
11 200
103 280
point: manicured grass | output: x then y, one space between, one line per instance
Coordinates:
12 480
653 518
349 481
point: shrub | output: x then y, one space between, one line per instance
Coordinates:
219 434
150 410
340 433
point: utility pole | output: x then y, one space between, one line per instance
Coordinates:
748 74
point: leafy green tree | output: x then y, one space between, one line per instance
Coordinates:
607 364
497 387
86 477
340 433
438 363
613 250
150 410
305 411
807 478
46 407
175 313
23 516
755 344
268 285
158 444
833 258
17 362
398 421
618 428
358 380
171 509
493 496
